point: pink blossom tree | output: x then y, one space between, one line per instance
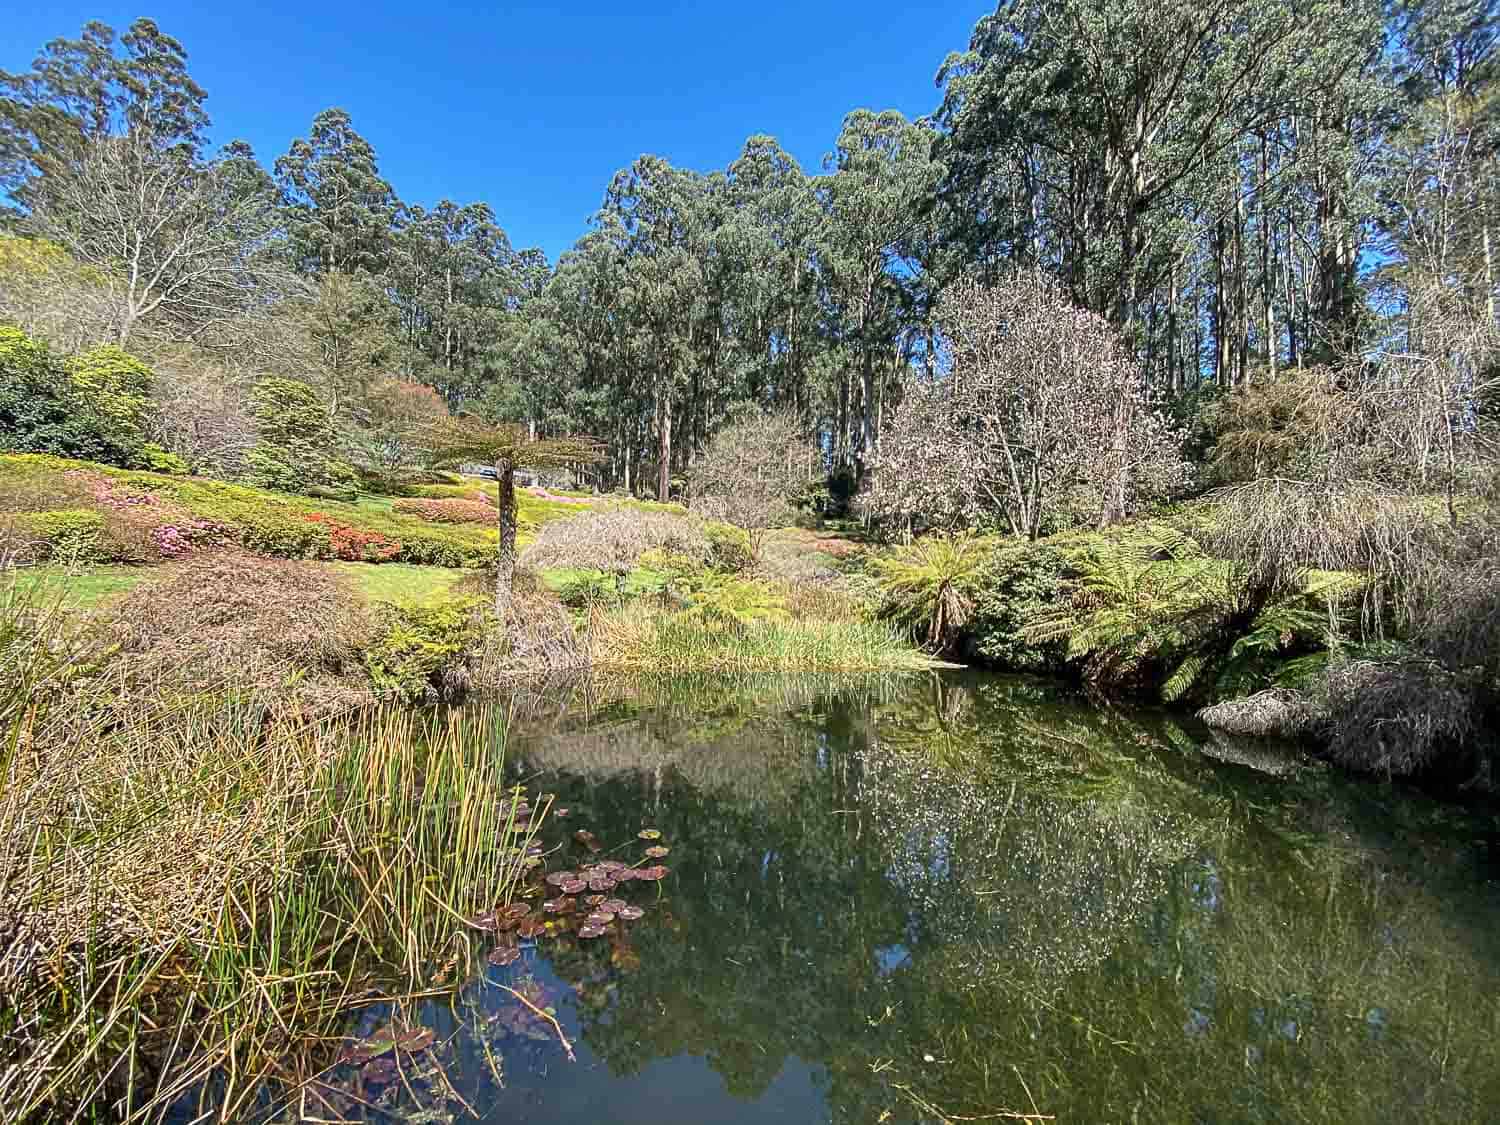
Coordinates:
1043 407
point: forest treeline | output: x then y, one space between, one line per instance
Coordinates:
1238 188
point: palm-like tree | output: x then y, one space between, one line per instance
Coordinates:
468 440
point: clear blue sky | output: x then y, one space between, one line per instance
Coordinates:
533 107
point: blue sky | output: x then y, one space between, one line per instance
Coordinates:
533 107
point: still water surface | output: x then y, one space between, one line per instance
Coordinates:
942 897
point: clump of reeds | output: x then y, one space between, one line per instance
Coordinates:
643 637
207 887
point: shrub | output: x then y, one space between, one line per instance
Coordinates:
68 535
418 652
159 460
43 411
353 544
613 539
447 511
1017 587
730 549
115 389
295 438
289 634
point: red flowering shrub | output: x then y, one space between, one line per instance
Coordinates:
446 511
353 545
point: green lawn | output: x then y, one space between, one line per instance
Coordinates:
401 583
87 590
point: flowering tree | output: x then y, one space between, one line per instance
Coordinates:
1043 405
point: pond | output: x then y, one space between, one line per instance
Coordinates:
954 897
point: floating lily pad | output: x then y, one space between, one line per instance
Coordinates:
415 1039
558 878
558 905
630 913
503 955
601 883
611 866
530 927
590 931
657 852
652 874
573 886
587 839
600 918
649 834
626 876
563 811
614 905
516 910
592 900
485 921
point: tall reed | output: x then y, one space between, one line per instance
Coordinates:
194 896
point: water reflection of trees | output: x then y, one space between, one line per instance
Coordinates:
1045 901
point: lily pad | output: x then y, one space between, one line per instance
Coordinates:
601 883
592 900
558 878
600 918
614 905
590 931
573 886
485 921
503 955
630 913
530 927
652 874
415 1039
649 834
562 811
657 852
515 910
558 905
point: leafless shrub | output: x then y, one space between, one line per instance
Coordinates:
753 471
541 637
1044 404
613 539
1397 717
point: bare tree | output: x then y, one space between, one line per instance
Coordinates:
1043 405
753 471
173 238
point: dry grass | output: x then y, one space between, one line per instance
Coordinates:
1397 718
1274 713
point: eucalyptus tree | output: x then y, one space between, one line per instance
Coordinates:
83 90
1115 142
453 275
339 209
877 199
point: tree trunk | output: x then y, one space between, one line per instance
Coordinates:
664 451
505 557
